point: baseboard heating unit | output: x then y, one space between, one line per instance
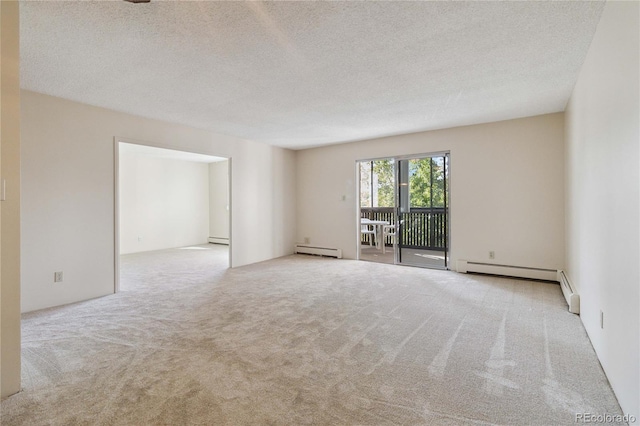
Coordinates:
572 298
318 251
219 240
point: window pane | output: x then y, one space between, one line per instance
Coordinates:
365 184
383 183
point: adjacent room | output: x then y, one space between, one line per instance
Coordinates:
171 200
380 213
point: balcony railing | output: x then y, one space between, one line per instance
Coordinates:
422 227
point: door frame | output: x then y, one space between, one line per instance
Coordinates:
447 195
357 197
395 159
116 190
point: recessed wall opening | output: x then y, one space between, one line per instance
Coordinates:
171 206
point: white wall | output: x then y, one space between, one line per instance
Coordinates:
602 214
506 190
68 194
164 203
10 207
219 200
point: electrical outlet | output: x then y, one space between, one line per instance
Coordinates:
307 240
57 277
601 319
492 255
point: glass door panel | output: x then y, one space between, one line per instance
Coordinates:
422 211
377 209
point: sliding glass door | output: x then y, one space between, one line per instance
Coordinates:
422 211
377 210
404 213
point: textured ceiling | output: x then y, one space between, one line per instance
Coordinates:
168 154
301 74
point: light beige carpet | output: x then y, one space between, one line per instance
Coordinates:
307 340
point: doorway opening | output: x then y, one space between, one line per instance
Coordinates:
404 210
170 201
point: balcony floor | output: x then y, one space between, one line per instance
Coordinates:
412 257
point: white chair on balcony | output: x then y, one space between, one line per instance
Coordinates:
371 230
388 231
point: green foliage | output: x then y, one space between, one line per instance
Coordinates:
426 183
384 170
426 189
365 184
380 194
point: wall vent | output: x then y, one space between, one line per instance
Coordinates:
318 251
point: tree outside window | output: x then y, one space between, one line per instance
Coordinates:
376 183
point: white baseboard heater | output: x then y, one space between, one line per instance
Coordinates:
507 270
572 298
219 240
318 251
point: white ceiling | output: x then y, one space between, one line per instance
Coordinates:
302 74
170 154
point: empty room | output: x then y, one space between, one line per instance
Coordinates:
385 213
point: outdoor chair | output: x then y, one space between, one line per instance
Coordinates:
371 230
388 231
